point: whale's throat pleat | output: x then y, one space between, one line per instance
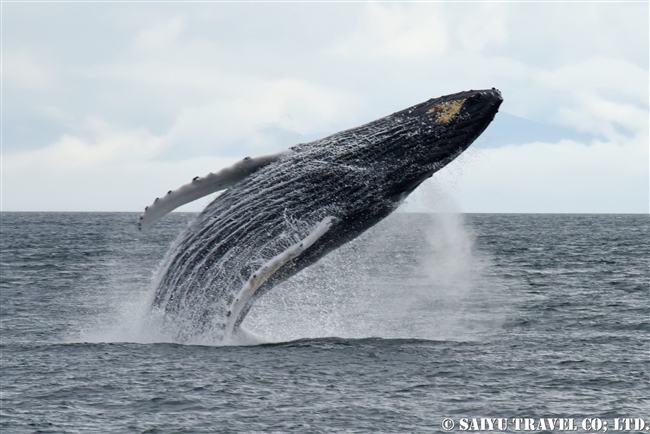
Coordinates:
262 274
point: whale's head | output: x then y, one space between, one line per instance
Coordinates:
433 134
388 158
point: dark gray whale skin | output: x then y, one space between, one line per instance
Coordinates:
356 177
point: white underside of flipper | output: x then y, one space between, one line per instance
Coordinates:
263 273
203 186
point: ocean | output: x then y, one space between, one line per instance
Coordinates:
425 323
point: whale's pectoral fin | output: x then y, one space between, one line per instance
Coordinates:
267 270
203 186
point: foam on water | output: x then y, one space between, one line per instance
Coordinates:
386 284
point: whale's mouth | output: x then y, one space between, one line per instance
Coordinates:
478 110
483 103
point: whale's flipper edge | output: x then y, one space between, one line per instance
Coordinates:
269 268
205 185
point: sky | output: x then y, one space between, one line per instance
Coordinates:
106 106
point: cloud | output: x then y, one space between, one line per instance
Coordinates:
287 105
598 95
23 70
483 27
109 170
110 187
158 38
203 137
105 145
398 31
552 177
87 95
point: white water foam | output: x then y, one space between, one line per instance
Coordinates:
430 286
124 315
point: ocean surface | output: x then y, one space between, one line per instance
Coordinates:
424 317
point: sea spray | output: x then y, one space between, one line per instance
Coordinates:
411 276
121 304
384 284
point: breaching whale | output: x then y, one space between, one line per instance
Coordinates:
282 212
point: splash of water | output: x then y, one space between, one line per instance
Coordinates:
395 281
392 282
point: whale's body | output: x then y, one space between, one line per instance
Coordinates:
285 212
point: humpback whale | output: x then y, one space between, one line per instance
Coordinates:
282 212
